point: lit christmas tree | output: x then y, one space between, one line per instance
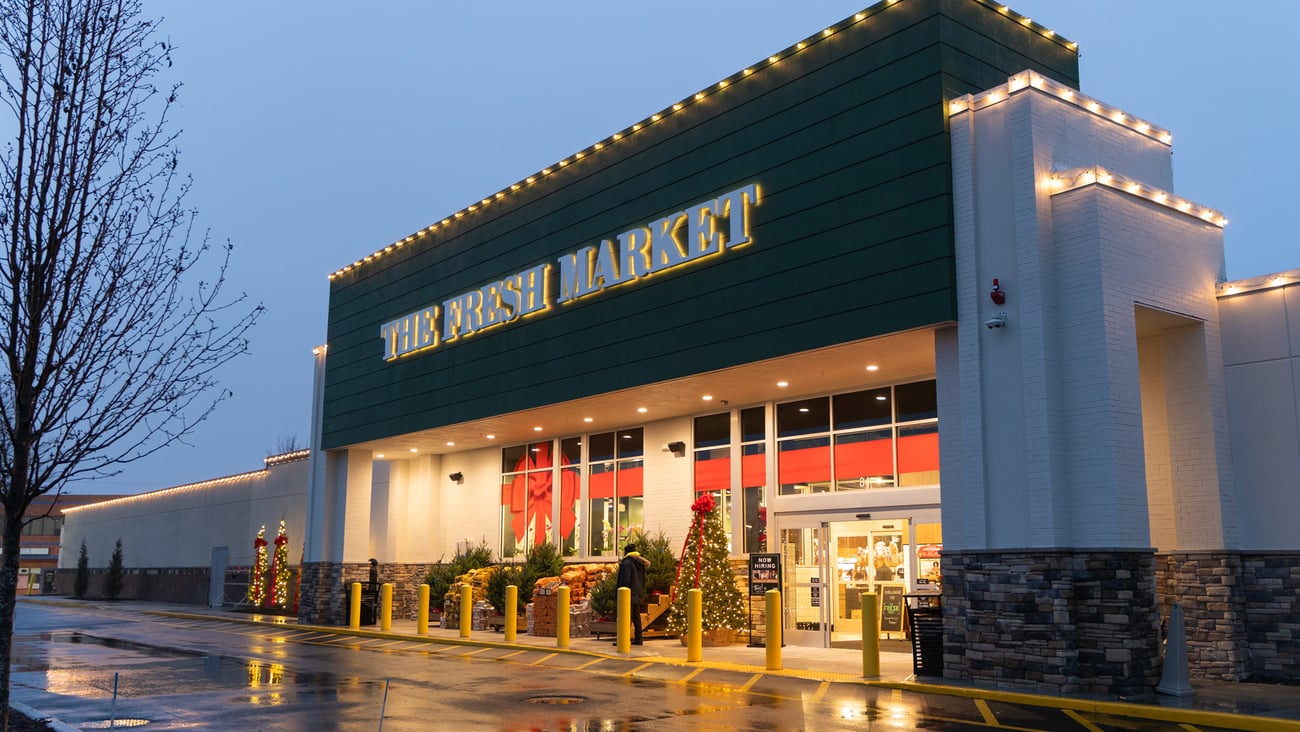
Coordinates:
280 569
704 565
257 582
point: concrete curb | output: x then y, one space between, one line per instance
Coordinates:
38 715
1246 723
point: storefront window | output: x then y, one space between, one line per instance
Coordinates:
615 489
570 500
753 477
526 490
712 455
875 438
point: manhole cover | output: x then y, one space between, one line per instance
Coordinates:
557 699
113 724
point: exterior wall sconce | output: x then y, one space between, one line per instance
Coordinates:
678 449
457 477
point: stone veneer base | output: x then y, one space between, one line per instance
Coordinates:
1056 621
1241 611
323 598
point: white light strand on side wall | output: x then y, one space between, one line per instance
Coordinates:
1079 177
1027 80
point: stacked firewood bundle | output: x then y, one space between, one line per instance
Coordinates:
583 578
477 580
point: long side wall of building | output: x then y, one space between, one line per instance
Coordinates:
169 536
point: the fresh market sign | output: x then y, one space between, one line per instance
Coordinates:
705 229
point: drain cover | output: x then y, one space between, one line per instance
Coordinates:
113 724
557 699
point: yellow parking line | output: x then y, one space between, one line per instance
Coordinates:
752 680
476 650
1079 718
642 667
821 691
1189 727
592 662
511 655
544 659
698 670
987 713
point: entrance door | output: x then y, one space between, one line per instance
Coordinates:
865 557
826 568
804 596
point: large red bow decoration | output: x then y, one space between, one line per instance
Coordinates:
704 504
530 494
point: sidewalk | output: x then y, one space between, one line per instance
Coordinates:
1215 704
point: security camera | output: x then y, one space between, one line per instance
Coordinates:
999 320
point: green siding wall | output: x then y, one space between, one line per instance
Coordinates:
853 237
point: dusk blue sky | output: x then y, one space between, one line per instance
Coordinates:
319 132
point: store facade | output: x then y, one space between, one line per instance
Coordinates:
858 292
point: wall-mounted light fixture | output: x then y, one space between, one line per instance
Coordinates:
457 477
678 449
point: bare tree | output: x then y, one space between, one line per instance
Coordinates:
285 442
112 319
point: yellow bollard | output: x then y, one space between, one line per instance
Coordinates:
422 615
870 635
466 610
512 612
772 639
562 617
694 625
623 621
354 612
386 607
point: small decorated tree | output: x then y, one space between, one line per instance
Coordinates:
257 581
704 565
280 569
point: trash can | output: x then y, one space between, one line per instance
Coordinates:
370 603
925 620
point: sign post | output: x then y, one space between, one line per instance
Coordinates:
764 575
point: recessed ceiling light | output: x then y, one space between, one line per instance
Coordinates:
881 398
627 436
537 429
873 367
586 419
415 449
380 456
803 409
450 444
707 397
783 384
490 437
642 410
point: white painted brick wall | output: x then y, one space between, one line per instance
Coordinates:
1050 451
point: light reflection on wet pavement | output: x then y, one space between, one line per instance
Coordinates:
210 674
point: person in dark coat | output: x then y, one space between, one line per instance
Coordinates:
631 574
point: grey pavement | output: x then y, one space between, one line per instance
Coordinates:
1216 704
